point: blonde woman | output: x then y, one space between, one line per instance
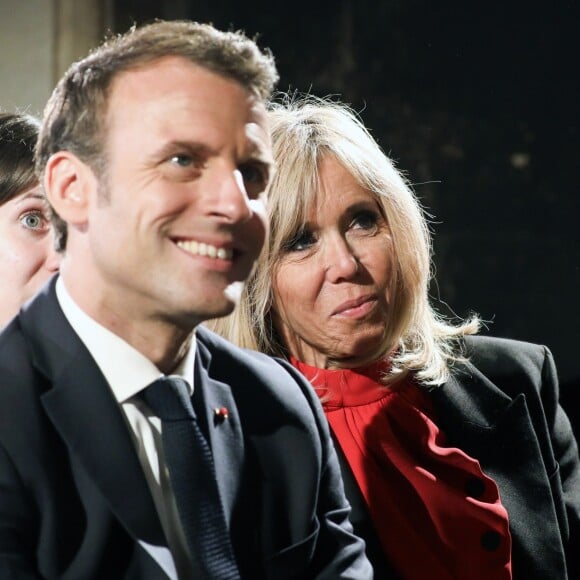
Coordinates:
456 456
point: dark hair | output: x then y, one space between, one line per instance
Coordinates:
75 115
18 134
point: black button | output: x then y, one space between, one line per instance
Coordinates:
474 487
490 541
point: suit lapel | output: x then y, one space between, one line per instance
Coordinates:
85 413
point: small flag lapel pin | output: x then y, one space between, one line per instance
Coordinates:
221 414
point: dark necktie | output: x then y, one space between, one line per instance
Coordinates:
191 468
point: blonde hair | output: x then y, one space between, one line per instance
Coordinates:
305 130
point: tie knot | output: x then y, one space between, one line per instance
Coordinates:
168 398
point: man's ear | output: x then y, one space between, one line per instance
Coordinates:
70 185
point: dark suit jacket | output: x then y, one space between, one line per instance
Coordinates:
502 409
74 503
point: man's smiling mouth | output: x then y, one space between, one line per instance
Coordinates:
203 249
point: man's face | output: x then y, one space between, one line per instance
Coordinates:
179 219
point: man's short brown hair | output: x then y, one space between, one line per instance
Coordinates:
75 115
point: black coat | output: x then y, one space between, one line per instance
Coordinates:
502 409
74 502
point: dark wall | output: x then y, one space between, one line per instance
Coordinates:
478 104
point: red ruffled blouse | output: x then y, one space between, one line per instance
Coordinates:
437 515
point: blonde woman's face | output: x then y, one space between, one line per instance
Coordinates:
27 257
331 288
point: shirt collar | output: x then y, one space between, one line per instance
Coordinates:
126 370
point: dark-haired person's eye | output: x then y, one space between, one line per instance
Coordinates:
34 220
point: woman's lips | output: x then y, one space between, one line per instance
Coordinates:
356 308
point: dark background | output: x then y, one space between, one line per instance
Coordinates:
477 103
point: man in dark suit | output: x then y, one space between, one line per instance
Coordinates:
155 154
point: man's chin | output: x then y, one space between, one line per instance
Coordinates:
233 294
228 302
189 317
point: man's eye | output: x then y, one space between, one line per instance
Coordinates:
181 160
34 221
300 242
254 174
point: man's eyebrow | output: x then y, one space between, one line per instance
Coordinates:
263 158
259 157
193 147
258 152
255 151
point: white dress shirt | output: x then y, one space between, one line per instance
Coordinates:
128 372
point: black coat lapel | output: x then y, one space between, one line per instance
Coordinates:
85 413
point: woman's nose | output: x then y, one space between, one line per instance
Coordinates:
342 263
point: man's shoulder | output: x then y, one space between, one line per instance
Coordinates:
236 366
218 349
219 345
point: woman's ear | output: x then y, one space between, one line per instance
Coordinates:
70 185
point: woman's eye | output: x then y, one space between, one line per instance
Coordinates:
301 241
34 221
365 220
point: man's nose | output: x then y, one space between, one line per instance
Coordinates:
231 200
